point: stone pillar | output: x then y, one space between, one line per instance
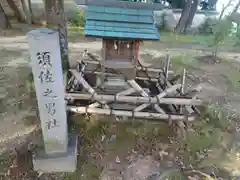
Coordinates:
48 79
44 49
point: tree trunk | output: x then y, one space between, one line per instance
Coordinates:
184 16
4 22
16 11
191 14
55 18
30 9
63 35
50 12
26 12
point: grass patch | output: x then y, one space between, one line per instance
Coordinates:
232 78
74 30
206 147
191 39
98 148
232 75
4 162
185 60
185 39
208 142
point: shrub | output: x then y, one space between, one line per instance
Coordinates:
78 18
207 26
238 37
221 30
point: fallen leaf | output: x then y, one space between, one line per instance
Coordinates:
118 160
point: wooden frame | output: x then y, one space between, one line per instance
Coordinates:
172 102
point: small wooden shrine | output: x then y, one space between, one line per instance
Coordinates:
116 82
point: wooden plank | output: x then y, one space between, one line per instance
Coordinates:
139 68
119 24
166 69
126 92
122 93
89 89
104 9
119 17
141 107
112 74
147 115
102 77
183 88
134 99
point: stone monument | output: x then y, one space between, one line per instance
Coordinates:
60 150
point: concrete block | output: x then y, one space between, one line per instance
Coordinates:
59 162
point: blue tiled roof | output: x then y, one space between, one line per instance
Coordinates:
119 22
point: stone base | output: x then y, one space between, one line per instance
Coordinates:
59 162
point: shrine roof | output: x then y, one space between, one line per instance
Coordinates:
120 20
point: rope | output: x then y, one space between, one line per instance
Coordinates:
115 98
92 96
133 114
111 111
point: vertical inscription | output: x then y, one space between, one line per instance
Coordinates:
44 62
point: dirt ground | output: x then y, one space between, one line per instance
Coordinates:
18 120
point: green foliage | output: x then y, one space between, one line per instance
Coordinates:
221 29
206 27
173 38
238 36
78 18
182 60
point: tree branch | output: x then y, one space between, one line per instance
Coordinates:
224 8
236 8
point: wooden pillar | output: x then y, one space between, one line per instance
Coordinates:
103 62
136 54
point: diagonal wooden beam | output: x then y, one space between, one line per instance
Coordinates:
181 90
87 87
159 96
143 93
122 93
